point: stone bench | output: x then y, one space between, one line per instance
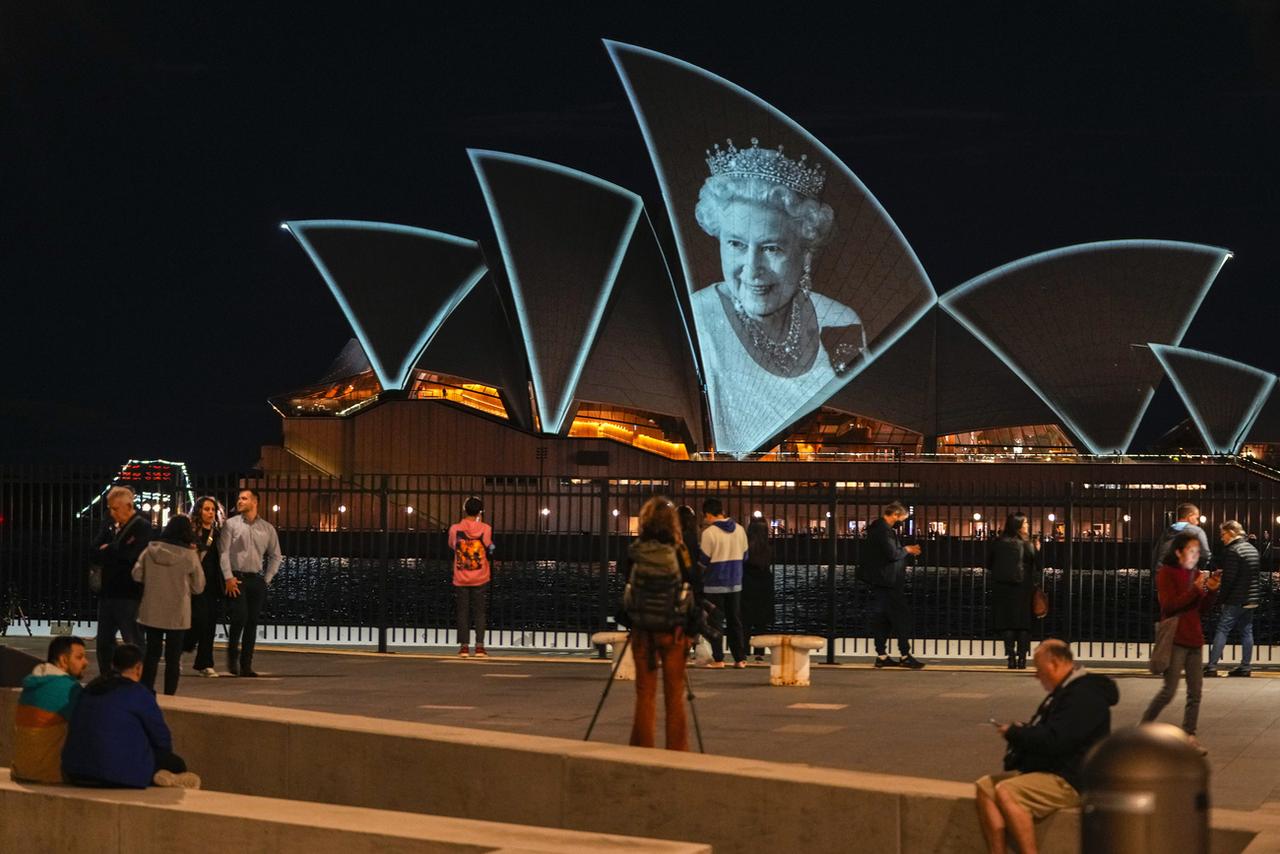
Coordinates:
42 818
551 782
789 657
626 669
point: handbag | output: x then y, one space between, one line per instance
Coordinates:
1162 646
1039 604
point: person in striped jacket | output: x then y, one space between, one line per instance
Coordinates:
724 549
48 697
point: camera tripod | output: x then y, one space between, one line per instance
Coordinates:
688 687
13 614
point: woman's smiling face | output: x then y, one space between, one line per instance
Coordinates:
761 257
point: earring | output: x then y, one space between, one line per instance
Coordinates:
806 280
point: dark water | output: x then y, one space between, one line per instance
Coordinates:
947 602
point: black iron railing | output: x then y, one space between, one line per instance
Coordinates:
370 552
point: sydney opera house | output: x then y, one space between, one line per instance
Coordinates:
789 324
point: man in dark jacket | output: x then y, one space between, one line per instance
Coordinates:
1239 595
1043 758
116 551
884 567
118 737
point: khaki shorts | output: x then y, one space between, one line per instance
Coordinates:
1039 792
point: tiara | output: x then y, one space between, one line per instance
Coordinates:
770 164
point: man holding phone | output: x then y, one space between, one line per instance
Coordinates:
1043 758
884 567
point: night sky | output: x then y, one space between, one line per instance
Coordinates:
152 304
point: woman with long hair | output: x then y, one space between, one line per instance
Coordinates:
659 550
1013 569
207 516
757 583
1184 591
169 572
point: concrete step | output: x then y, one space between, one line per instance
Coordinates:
68 820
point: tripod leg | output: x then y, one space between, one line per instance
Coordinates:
614 672
693 710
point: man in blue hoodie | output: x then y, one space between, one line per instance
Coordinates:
1188 519
118 737
724 548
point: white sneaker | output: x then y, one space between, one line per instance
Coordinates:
170 780
209 672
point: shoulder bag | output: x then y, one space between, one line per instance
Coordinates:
1162 646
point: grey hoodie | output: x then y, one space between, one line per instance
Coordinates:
169 574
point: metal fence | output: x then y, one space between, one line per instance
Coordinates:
367 559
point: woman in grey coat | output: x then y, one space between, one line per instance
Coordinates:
170 572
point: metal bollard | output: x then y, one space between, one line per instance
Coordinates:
1146 791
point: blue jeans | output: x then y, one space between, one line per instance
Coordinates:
1239 617
116 615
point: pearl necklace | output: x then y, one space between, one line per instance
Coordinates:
784 354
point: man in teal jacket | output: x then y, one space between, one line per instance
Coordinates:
49 695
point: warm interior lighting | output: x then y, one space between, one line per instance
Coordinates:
428 386
1028 439
638 429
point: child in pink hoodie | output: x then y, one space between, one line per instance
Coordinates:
472 543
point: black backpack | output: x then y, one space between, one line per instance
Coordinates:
656 597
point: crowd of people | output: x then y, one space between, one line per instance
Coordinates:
161 594
688 576
166 593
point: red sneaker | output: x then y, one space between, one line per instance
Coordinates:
464 652
480 653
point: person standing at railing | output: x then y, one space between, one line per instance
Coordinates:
757 584
115 552
207 518
471 541
884 568
724 548
1187 521
249 555
1013 570
1240 595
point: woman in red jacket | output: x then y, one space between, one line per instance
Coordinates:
1186 592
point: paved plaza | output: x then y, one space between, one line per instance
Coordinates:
930 723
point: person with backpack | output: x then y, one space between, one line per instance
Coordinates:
1012 570
472 543
660 604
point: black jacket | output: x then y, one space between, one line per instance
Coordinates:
1013 571
207 549
884 560
1240 567
121 553
1073 718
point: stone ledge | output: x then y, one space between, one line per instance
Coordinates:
734 804
35 818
